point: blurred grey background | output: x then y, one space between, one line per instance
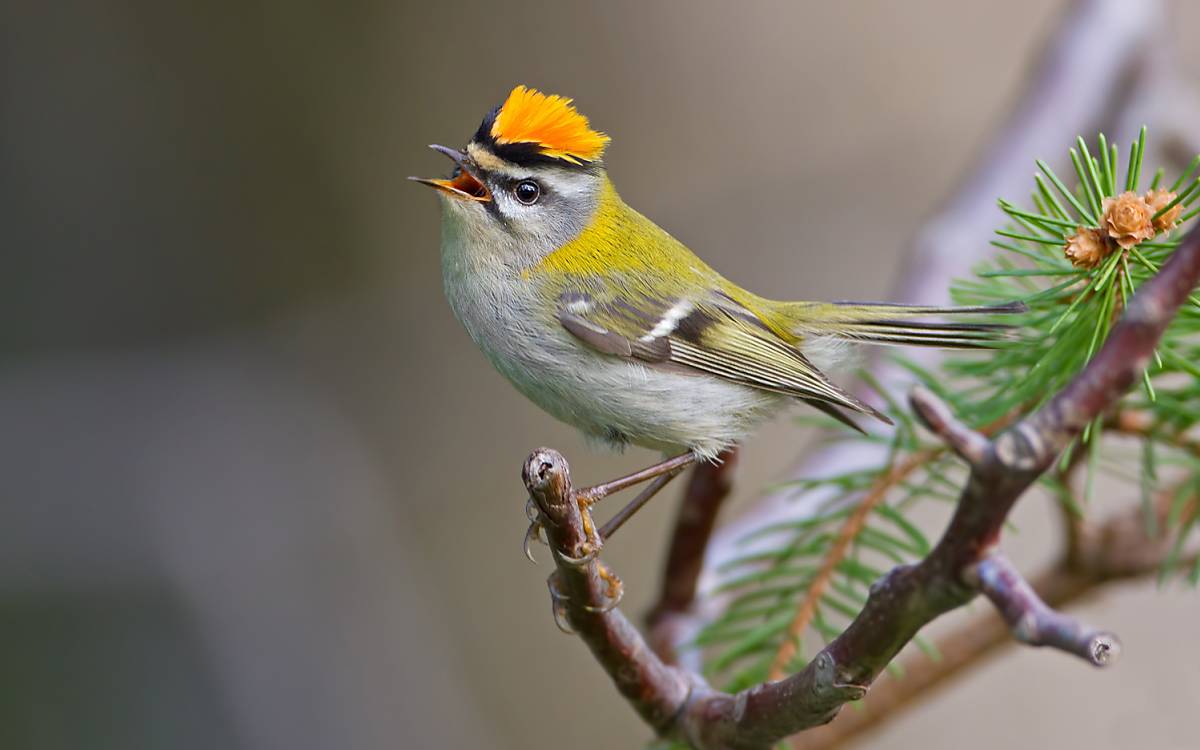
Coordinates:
260 490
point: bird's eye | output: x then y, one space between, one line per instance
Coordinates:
527 191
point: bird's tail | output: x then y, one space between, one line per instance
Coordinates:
885 323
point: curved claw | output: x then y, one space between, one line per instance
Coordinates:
609 605
560 618
555 595
535 531
579 562
557 608
530 534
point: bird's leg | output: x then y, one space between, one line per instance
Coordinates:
598 492
661 473
633 506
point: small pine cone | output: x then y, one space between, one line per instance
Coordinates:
1087 248
1127 218
1157 199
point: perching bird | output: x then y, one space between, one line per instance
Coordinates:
612 325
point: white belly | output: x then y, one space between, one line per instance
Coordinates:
610 399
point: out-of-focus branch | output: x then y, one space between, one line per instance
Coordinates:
707 489
1133 422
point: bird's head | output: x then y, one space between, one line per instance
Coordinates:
530 177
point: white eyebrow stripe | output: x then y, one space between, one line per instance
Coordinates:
670 319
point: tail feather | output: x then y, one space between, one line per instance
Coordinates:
884 323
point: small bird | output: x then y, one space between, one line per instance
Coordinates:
612 325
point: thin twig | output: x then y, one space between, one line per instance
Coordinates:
1032 621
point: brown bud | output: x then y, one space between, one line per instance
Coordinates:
1157 199
1087 247
1127 218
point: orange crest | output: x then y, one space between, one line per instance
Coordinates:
550 122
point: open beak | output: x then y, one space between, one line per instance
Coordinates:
462 184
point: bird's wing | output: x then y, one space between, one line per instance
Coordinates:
711 333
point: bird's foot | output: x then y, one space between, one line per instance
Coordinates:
536 531
614 590
591 546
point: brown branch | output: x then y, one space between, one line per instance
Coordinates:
905 599
837 552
